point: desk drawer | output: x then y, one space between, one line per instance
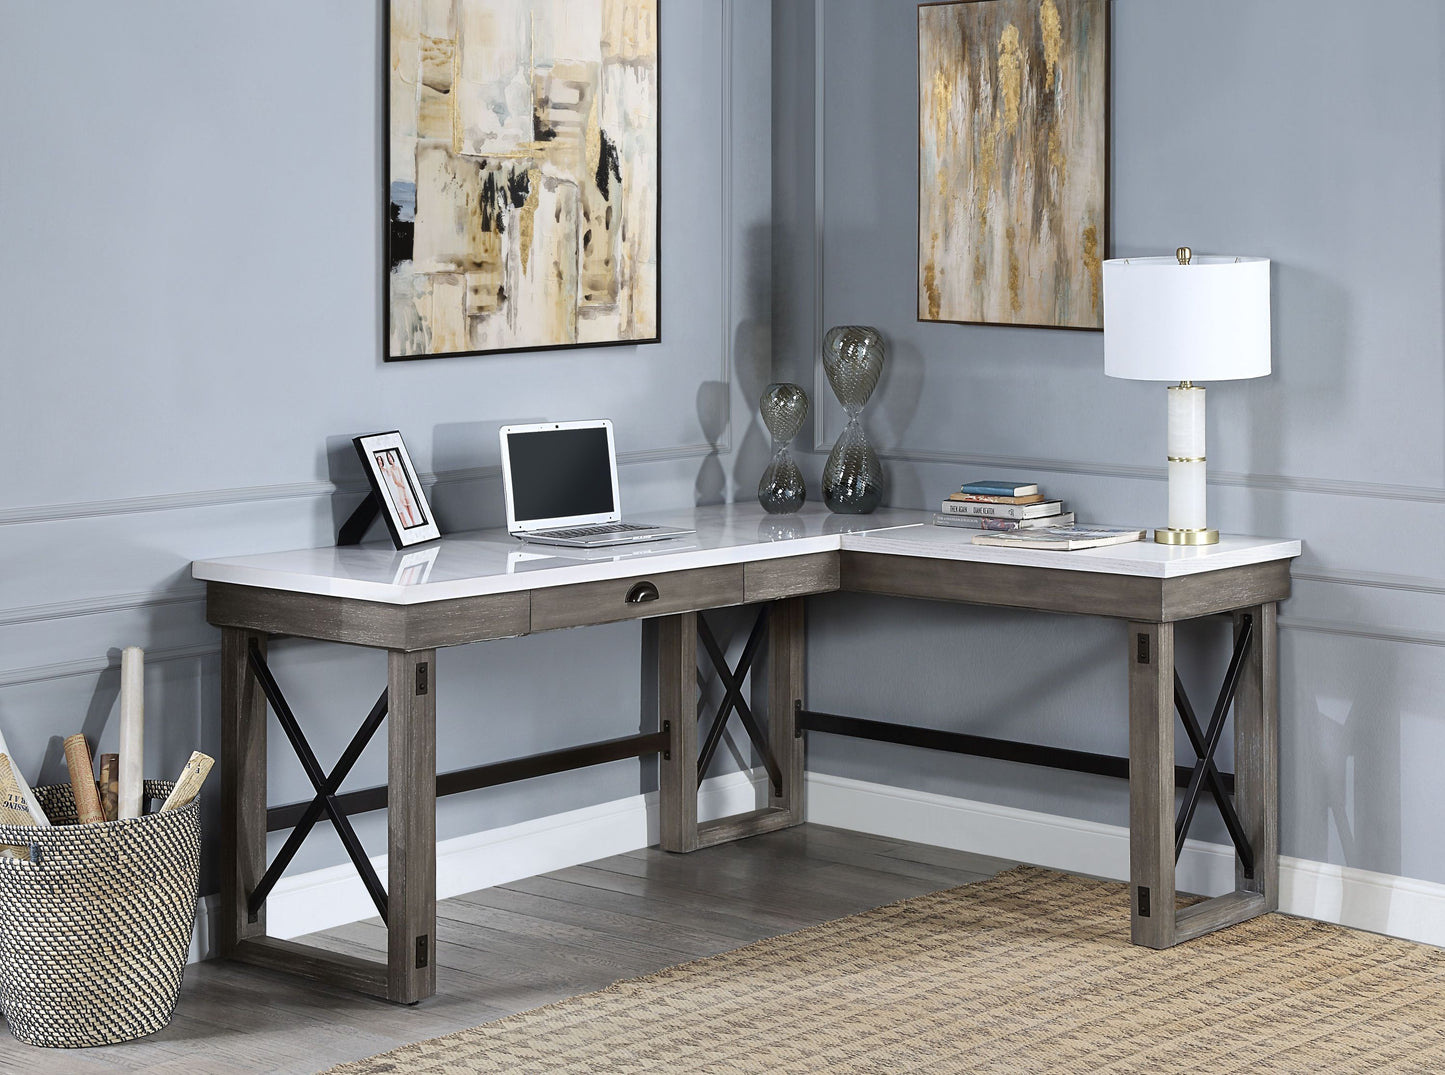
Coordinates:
606 602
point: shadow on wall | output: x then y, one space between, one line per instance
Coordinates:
1346 764
752 360
343 469
711 486
53 769
470 497
890 415
1309 374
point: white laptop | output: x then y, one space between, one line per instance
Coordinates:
561 486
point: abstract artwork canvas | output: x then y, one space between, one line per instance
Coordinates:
522 175
1013 160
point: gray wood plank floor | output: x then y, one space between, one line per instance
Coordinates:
507 949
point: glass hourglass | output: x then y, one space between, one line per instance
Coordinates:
853 481
784 408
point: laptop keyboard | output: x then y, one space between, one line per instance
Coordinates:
595 531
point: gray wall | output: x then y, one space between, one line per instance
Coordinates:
1307 131
189 332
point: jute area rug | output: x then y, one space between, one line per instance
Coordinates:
1031 971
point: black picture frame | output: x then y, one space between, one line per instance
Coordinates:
396 490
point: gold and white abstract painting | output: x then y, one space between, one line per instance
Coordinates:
1013 161
522 176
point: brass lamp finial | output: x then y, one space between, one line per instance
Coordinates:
1184 254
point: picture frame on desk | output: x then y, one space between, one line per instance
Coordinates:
396 488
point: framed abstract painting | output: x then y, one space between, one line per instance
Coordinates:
1013 162
522 177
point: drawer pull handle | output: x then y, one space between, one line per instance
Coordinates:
643 591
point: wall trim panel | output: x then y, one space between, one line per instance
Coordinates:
1422 494
90 666
100 606
1325 627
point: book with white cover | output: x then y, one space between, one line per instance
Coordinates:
988 522
1065 538
1003 511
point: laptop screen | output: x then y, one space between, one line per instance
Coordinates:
560 472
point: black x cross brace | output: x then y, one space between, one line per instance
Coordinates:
1205 743
732 681
326 786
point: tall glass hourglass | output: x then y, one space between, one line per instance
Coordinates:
852 477
784 408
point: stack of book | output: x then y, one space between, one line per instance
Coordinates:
1002 505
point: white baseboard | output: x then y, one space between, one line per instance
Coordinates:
1361 899
1381 903
334 896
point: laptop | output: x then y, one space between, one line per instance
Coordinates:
561 487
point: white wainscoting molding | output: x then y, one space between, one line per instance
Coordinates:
1361 899
334 896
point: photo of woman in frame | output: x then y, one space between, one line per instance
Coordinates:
396 493
404 501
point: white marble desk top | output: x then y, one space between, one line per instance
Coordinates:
491 561
1147 558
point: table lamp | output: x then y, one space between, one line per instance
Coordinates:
1186 318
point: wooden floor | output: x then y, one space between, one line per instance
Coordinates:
515 947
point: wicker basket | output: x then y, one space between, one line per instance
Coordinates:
94 930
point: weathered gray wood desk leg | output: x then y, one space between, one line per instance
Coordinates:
1155 922
678 710
409 974
411 826
243 790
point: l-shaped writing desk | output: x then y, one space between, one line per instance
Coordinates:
484 585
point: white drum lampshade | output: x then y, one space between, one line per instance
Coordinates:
1186 318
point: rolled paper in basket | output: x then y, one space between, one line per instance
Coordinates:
13 808
109 784
82 780
132 729
188 785
36 813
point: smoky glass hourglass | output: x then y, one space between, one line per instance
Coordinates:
853 482
784 408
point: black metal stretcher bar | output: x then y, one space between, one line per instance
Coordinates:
486 776
1077 761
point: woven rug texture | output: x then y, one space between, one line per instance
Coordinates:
1031 971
